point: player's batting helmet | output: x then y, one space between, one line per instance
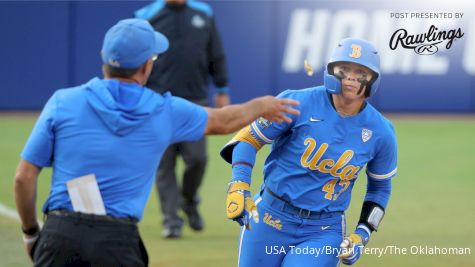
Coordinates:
357 51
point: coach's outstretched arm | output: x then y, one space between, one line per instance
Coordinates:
234 117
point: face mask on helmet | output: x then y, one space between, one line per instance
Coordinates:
357 51
363 76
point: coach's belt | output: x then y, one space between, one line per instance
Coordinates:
267 195
92 217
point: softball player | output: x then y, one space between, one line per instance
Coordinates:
314 161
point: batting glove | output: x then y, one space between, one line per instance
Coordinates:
352 246
239 204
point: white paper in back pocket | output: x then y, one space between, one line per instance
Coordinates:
85 195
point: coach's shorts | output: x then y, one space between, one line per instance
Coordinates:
284 238
88 240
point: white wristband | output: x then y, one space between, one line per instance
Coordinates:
30 240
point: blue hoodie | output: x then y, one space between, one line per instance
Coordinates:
117 131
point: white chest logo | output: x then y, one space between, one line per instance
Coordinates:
198 21
366 134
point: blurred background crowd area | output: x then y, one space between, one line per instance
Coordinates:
48 45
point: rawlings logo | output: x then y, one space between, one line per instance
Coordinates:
424 43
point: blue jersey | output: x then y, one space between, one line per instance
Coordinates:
117 131
315 160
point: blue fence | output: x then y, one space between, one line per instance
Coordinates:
50 45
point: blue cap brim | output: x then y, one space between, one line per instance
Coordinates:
161 43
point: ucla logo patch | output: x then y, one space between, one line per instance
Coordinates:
272 222
366 134
263 122
198 21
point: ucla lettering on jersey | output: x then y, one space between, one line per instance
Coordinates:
328 165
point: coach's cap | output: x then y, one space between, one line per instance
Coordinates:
130 43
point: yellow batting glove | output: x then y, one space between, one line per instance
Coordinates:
239 204
351 248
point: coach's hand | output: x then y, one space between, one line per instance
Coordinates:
30 242
239 204
277 108
352 246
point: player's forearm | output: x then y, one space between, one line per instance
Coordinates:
25 185
374 205
378 191
244 157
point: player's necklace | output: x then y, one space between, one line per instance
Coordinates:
348 114
345 114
